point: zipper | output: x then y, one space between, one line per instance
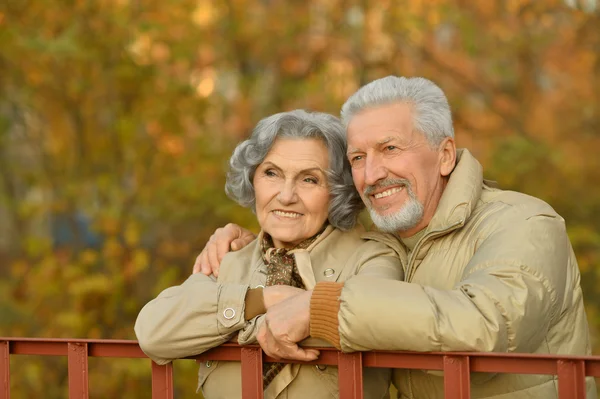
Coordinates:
430 235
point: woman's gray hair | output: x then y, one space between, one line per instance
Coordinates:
432 115
345 202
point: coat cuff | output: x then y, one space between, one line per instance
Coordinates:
324 309
230 308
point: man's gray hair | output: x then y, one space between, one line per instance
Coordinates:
432 115
345 202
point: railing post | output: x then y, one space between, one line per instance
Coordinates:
4 370
457 384
77 358
252 373
571 379
162 381
350 376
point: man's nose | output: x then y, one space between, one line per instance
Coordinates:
287 194
375 170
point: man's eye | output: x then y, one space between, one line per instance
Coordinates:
390 147
356 158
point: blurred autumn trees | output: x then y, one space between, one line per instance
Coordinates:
117 118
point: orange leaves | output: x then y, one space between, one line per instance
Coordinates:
125 116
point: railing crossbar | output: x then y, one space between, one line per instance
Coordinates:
457 366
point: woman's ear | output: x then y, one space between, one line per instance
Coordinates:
447 156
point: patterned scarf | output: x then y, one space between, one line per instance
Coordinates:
281 270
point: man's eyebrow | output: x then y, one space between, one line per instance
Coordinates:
352 151
386 140
383 141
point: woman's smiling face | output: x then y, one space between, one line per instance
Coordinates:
292 194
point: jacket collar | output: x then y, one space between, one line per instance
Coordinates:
461 194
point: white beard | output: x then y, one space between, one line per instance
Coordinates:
404 219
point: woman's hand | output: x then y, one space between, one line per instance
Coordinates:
231 237
275 294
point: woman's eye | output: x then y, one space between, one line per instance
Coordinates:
311 180
270 172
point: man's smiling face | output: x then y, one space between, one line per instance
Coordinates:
398 173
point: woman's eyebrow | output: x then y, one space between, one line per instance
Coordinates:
307 170
316 168
271 164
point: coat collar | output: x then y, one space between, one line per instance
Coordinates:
461 194
313 262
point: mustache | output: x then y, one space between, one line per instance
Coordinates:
386 183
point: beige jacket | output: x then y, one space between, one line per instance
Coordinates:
494 272
202 313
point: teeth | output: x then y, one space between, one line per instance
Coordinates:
292 215
387 193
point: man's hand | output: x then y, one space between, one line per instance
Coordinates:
286 324
223 239
275 294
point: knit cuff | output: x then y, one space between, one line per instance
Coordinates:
255 304
324 309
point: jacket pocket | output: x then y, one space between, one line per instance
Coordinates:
206 369
328 375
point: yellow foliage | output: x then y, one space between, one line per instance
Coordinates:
91 284
117 122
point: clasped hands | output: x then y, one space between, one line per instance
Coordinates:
287 320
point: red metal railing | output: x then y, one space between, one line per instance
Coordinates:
571 370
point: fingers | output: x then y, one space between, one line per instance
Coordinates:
220 243
213 260
266 341
197 265
282 349
204 265
291 351
201 265
245 237
225 238
304 355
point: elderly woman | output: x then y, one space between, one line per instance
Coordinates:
293 173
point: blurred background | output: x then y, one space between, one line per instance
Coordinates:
117 118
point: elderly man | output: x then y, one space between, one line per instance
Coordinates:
486 269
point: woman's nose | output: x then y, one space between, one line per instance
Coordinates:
287 194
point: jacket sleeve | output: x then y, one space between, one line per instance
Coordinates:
504 301
378 260
374 260
191 318
247 335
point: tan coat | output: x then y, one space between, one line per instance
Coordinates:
494 272
191 318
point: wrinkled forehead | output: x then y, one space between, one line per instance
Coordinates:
377 123
296 154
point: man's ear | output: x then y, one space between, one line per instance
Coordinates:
447 156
